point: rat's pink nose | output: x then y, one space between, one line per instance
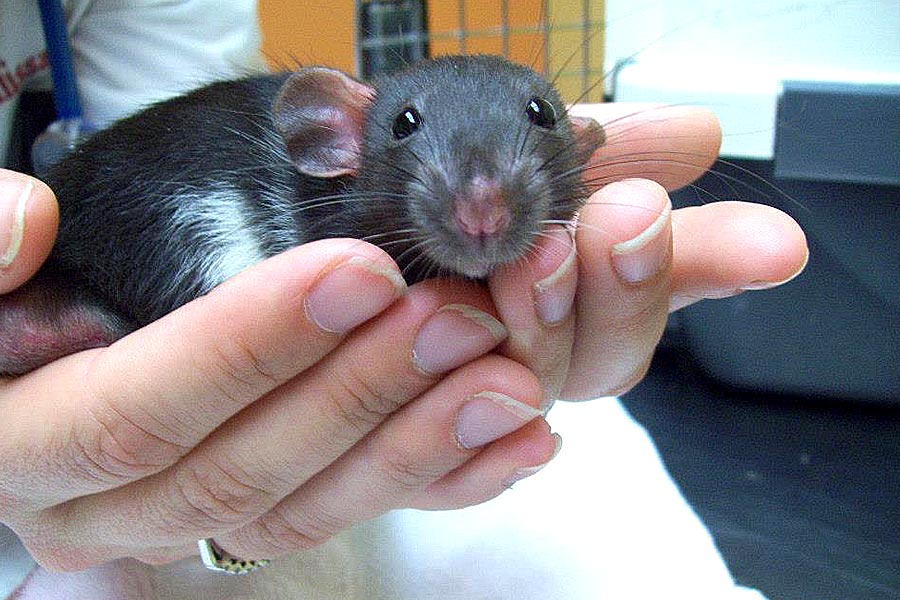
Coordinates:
482 211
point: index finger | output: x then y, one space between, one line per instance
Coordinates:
29 217
95 420
672 145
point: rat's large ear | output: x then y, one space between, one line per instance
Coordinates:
589 135
320 113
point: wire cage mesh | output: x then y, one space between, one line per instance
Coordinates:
562 39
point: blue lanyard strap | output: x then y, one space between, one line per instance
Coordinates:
65 91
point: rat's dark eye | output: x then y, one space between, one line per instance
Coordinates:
541 113
406 123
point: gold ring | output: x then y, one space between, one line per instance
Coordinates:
216 559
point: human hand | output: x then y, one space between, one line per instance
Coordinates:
269 429
589 327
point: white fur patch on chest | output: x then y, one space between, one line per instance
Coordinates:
224 241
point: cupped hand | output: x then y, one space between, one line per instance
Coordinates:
248 417
308 393
586 312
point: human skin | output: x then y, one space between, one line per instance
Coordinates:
333 400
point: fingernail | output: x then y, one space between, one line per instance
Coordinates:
488 416
554 295
352 293
766 285
523 472
16 216
453 336
761 285
641 257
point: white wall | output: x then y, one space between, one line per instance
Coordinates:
732 55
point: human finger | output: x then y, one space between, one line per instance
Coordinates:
670 144
102 418
29 217
495 469
534 298
261 455
163 556
725 248
624 242
489 472
391 468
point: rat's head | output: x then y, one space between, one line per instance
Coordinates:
459 161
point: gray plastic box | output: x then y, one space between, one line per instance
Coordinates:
835 330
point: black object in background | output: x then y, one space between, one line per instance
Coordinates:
835 330
846 132
801 494
33 114
391 35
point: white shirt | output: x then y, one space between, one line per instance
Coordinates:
127 53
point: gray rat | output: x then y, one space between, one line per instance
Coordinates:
452 165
